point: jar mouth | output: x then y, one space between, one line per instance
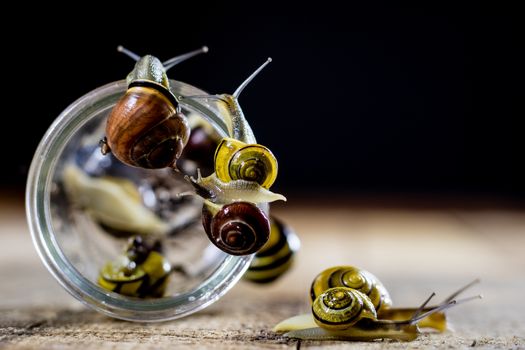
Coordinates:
43 226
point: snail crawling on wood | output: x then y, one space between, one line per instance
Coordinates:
349 303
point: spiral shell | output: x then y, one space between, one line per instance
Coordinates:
236 160
340 308
145 129
239 228
276 256
141 272
352 277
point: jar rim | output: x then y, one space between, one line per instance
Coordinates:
39 220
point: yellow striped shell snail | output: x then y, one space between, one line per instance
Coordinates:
142 272
236 160
276 256
146 127
340 308
352 277
340 312
239 157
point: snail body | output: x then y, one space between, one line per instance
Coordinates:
112 202
276 256
216 191
146 127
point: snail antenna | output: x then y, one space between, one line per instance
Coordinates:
196 97
420 309
250 78
181 58
442 307
461 290
128 53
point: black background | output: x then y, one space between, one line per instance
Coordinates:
365 99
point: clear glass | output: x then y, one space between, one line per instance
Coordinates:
73 247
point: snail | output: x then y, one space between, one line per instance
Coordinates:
239 157
276 256
243 173
238 228
343 313
235 200
352 277
113 202
146 127
142 272
212 189
366 282
236 160
352 304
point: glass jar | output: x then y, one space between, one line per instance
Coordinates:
74 247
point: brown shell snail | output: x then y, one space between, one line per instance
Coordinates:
146 127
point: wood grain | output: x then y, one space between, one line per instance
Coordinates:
414 251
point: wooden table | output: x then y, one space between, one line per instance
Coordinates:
414 250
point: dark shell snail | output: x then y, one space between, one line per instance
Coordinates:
239 228
146 128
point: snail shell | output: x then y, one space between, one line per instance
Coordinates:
125 277
236 160
340 308
144 277
239 228
145 129
352 277
276 256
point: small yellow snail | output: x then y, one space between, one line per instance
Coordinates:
343 313
142 272
146 127
236 160
239 157
352 277
276 256
361 313
366 282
